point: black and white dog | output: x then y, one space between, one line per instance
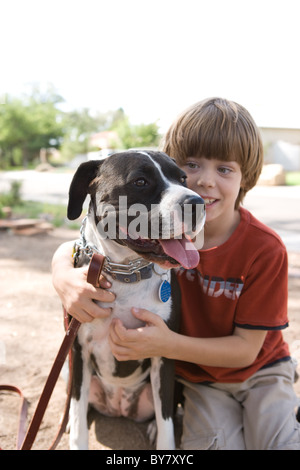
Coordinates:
133 222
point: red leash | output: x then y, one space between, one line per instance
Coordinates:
22 414
50 384
94 272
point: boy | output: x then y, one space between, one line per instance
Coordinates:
230 354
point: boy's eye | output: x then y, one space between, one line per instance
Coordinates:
224 170
191 165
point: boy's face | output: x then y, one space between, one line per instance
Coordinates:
218 182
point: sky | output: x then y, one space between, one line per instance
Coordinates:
155 58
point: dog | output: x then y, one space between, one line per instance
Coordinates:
129 190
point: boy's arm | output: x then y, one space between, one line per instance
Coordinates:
156 339
76 294
238 350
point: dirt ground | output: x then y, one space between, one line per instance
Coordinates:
31 331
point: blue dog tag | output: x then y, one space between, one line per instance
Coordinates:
164 291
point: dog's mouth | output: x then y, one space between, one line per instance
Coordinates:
176 251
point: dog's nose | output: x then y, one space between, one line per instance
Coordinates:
194 211
193 200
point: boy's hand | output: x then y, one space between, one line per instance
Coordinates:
78 295
144 342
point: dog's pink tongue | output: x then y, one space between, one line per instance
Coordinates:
182 250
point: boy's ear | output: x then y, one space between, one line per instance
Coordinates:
79 187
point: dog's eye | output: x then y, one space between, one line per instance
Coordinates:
140 182
183 179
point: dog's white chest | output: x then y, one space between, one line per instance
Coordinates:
111 393
93 336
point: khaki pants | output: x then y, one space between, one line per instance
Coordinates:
257 414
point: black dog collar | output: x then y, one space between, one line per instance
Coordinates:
134 271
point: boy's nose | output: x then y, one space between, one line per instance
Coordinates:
206 180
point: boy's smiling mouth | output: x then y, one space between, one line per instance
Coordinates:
209 200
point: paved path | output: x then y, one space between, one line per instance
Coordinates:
279 208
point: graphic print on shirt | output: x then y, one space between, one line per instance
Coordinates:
215 286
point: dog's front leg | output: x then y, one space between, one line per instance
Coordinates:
162 381
81 380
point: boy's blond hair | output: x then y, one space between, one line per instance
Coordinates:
221 129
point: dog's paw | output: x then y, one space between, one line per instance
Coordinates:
152 431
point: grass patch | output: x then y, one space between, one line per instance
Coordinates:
55 214
292 178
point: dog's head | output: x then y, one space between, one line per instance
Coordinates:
140 200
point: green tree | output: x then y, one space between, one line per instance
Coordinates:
29 124
34 122
14 127
79 125
142 135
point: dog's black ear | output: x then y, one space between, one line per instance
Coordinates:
79 187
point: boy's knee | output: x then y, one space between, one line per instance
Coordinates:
208 442
214 440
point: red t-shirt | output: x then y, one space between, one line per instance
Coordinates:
240 283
